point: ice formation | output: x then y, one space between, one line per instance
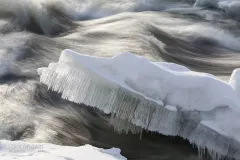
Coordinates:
156 96
26 151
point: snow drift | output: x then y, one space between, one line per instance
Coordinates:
156 96
33 151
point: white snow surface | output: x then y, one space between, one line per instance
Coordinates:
12 150
156 96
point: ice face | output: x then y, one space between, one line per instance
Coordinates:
160 97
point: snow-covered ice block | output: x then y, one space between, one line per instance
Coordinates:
146 80
12 150
156 96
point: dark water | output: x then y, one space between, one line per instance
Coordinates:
34 32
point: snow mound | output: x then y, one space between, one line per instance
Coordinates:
12 150
160 97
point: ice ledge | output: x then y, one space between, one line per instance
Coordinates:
160 97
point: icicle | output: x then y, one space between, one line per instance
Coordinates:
91 91
123 126
205 137
165 121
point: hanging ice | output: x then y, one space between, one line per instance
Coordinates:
161 97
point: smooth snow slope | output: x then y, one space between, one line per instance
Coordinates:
26 151
161 97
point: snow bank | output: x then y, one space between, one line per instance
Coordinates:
161 97
26 151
